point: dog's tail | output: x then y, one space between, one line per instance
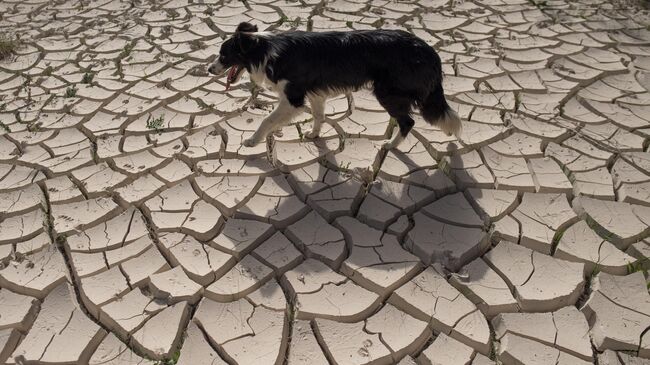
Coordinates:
436 111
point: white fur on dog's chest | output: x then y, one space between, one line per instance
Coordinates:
258 76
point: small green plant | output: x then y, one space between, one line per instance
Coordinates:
197 44
155 123
636 266
34 127
209 11
300 134
88 78
71 92
7 46
5 127
166 31
172 361
126 51
283 19
344 166
48 71
172 13
541 5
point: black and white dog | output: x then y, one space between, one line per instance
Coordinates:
403 71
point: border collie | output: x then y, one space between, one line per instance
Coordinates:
403 71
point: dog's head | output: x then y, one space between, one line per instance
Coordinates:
235 53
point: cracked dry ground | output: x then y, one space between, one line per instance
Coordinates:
136 229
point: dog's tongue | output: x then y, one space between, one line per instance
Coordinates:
232 73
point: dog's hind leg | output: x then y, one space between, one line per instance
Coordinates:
398 107
317 104
405 123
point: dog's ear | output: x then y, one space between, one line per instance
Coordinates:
245 42
246 27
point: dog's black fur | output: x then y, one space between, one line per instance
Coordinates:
403 71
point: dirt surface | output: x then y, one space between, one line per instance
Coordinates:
136 229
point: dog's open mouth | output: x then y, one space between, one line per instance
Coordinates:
233 75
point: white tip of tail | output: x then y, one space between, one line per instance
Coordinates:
450 123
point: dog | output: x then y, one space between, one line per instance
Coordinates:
403 71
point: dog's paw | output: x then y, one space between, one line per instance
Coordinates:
249 142
312 134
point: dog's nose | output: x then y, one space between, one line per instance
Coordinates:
212 70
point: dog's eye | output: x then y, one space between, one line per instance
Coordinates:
222 59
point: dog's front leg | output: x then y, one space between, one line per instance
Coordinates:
281 115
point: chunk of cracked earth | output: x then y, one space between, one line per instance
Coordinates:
202 263
519 350
549 177
139 269
279 253
22 227
61 333
227 192
35 274
624 223
377 261
196 350
451 245
540 217
21 201
126 314
338 200
237 327
161 335
510 172
102 288
270 296
320 292
112 351
113 233
240 236
454 209
446 351
406 197
580 243
409 156
358 153
71 217
493 204
540 283
318 239
399 331
565 329
62 190
429 297
16 310
485 288
382 339
618 312
289 156
304 348
280 211
469 170
348 343
245 277
175 286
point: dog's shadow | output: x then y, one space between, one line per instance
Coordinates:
399 227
